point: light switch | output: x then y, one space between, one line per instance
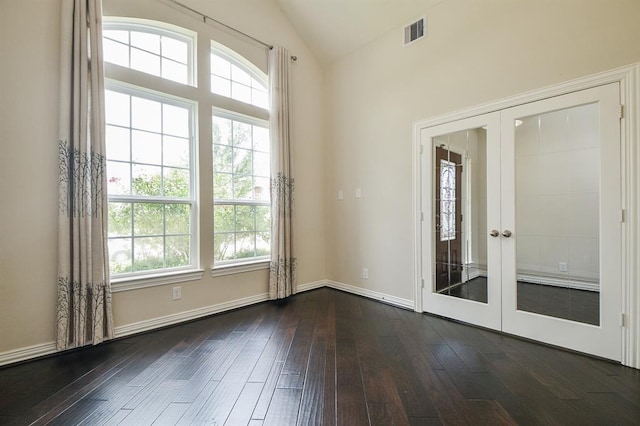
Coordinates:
358 193
340 195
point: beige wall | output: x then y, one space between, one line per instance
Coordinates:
28 168
29 77
475 52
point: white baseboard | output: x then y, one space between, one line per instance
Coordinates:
312 285
393 300
27 353
147 325
30 352
559 282
167 320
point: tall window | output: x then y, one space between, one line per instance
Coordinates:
241 162
150 181
150 138
153 164
242 218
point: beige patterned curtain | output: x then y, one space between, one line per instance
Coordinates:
84 293
282 278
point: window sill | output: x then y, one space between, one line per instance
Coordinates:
236 268
144 281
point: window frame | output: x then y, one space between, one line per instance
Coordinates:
192 200
241 62
204 103
219 265
162 29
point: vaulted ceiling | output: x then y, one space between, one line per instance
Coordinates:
334 28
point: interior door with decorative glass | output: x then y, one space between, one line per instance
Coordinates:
459 199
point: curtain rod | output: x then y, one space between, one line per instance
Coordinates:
206 17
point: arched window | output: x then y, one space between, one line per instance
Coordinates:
241 162
236 78
153 165
158 49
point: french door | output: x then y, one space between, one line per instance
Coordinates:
540 227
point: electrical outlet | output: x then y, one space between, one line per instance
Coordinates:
365 273
563 266
177 293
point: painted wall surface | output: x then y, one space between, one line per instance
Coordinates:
475 52
29 77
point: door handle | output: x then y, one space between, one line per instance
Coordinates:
494 233
506 233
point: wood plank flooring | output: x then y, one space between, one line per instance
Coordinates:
324 357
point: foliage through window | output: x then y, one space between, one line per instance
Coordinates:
151 199
153 164
241 163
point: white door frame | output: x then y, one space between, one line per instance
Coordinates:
629 79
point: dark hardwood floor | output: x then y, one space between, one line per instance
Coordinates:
559 302
323 358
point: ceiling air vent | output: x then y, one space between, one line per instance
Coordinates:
414 32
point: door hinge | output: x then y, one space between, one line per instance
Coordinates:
622 215
422 282
621 112
421 216
421 148
622 322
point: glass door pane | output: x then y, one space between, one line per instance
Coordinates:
557 157
460 214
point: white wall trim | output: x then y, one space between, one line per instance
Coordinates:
27 353
630 132
371 294
312 285
144 281
31 352
418 216
167 320
629 79
239 268
559 282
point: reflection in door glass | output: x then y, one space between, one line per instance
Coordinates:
447 200
460 263
557 213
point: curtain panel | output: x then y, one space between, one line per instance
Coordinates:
282 277
84 313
